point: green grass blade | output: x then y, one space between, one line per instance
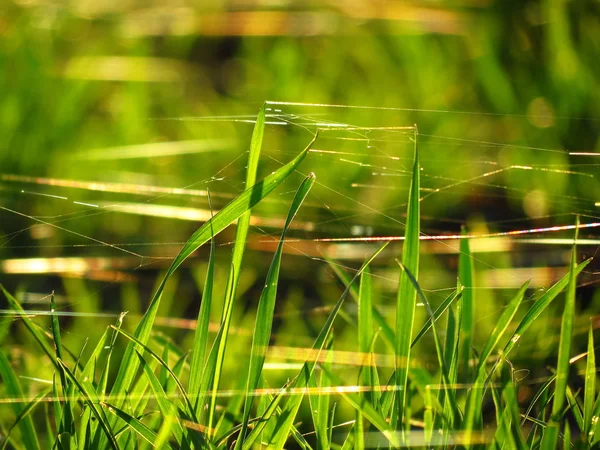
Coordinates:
549 439
438 345
475 395
136 425
32 327
365 328
87 391
13 389
387 332
451 350
67 424
57 340
286 418
361 405
201 334
590 385
241 235
188 406
226 216
262 421
448 301
539 307
165 406
406 301
501 326
575 409
465 275
266 308
319 403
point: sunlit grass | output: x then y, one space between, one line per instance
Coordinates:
163 396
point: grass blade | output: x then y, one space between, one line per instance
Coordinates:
590 385
465 275
406 302
166 407
438 345
266 308
448 301
241 235
32 327
365 327
539 307
201 333
87 391
550 436
387 332
362 406
475 396
286 418
13 390
136 425
226 216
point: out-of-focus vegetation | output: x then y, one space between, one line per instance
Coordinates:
116 117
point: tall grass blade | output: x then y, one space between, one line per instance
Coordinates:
590 386
241 235
13 389
438 345
67 424
266 308
201 334
406 301
226 216
319 402
550 436
365 326
465 275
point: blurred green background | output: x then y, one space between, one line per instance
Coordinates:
107 106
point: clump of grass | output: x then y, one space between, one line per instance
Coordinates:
152 403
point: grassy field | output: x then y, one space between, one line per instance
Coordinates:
397 250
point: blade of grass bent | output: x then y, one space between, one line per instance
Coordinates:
406 300
266 308
550 436
249 198
13 390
